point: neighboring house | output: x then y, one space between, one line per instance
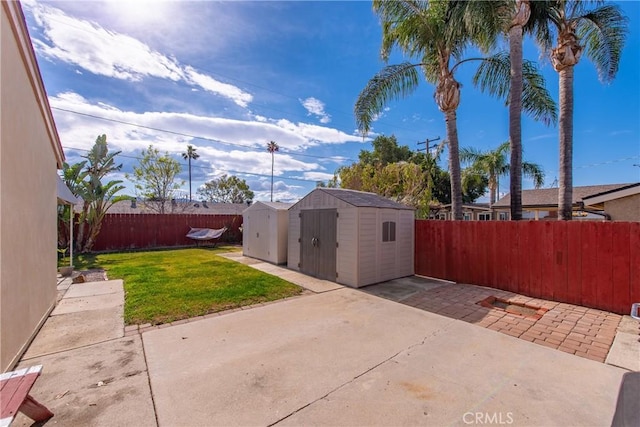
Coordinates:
470 212
30 154
621 204
177 207
543 203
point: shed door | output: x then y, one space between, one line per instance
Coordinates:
318 243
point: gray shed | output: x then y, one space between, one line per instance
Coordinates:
351 237
264 231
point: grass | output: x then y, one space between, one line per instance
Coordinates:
169 285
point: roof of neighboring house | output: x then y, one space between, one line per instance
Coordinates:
193 208
471 206
548 197
363 199
18 24
605 196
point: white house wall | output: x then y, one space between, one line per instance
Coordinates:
29 156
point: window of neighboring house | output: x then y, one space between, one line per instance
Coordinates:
442 216
503 216
466 216
484 216
389 231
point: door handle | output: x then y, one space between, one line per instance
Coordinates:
314 241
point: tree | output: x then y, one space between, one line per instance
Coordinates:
85 179
272 147
512 18
226 190
433 33
494 163
600 33
188 155
155 179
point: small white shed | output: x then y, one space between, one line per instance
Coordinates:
264 231
351 237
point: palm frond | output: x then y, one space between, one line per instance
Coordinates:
536 99
392 82
603 32
535 172
493 75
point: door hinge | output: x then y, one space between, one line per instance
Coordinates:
337 214
299 266
337 245
299 240
336 274
299 214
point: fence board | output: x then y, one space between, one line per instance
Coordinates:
595 264
140 231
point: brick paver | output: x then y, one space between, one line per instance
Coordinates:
582 331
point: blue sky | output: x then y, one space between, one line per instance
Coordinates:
228 77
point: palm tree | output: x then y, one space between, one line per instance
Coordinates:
600 33
435 33
494 163
272 147
188 155
512 18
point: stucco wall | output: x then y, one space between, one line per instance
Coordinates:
27 198
624 209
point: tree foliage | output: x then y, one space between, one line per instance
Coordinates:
155 181
226 189
85 179
397 173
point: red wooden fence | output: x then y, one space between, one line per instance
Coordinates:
588 263
137 231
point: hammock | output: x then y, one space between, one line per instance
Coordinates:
205 233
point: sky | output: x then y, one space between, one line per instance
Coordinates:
228 77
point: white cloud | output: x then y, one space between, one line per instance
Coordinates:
229 146
102 52
316 107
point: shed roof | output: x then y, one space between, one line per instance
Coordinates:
548 197
278 206
363 199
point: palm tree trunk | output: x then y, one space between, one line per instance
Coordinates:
515 123
190 179
272 177
454 165
565 126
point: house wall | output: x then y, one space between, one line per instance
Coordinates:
30 153
624 209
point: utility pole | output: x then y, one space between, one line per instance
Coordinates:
427 143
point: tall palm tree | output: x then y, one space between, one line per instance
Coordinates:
434 32
272 147
188 155
512 18
599 33
494 163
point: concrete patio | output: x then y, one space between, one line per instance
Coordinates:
332 356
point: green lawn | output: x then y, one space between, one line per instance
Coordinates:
169 285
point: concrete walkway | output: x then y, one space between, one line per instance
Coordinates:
333 356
